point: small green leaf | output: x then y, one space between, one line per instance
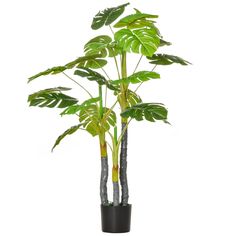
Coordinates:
69 131
138 77
52 97
143 41
164 59
164 43
149 111
107 16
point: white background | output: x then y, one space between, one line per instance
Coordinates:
182 177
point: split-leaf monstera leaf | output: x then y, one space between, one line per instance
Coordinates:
107 16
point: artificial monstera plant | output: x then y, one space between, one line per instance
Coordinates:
135 33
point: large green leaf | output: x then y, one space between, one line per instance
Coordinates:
69 131
164 59
149 111
138 77
137 20
101 45
144 41
52 97
91 61
107 16
93 76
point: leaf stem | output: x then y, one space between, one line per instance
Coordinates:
105 103
142 82
100 102
123 131
102 70
111 30
78 84
138 64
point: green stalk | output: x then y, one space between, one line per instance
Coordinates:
100 102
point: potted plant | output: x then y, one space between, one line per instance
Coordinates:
135 33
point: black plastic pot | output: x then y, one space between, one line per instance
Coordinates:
116 219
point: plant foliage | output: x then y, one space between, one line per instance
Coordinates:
164 59
138 77
52 97
69 131
107 16
101 45
143 41
137 20
90 61
149 111
90 117
93 76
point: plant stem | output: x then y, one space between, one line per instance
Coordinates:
104 170
117 67
105 104
115 175
123 131
111 30
102 70
138 64
108 112
142 82
100 102
123 138
78 84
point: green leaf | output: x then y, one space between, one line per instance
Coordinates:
101 45
109 119
90 101
91 61
164 59
69 131
52 97
143 41
93 123
94 76
164 43
71 110
137 20
90 117
53 70
149 111
138 77
133 98
107 16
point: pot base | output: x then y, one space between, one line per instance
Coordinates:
116 219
